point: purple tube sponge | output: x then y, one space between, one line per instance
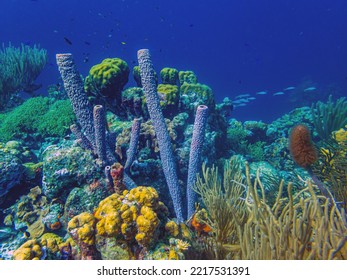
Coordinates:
81 137
160 128
73 85
195 155
100 133
134 140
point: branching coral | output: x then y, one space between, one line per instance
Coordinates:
332 166
300 226
19 69
329 117
224 202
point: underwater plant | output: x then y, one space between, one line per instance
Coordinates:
332 165
19 68
300 226
329 117
37 118
223 198
245 226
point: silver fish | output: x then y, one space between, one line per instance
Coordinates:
278 93
242 96
261 92
310 89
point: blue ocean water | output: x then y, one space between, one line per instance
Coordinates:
236 47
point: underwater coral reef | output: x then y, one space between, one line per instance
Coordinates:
161 171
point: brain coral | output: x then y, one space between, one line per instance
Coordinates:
107 79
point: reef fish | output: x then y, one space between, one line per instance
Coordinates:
278 93
31 88
242 96
261 92
67 40
240 105
289 88
240 101
310 89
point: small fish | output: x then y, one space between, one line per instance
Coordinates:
251 98
242 96
67 41
289 88
101 15
240 101
87 43
31 88
240 105
191 25
310 89
55 31
123 43
26 234
278 93
109 35
261 92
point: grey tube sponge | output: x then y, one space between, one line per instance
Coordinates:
81 137
73 85
100 133
164 141
195 155
134 140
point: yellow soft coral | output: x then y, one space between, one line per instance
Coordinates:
147 223
169 94
108 77
130 216
30 250
145 196
108 216
341 135
51 241
172 228
83 225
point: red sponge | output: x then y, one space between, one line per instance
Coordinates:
301 147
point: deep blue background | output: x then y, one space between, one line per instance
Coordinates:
235 47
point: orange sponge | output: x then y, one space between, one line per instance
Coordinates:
301 147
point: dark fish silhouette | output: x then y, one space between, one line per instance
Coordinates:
67 41
31 88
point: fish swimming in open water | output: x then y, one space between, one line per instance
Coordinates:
309 89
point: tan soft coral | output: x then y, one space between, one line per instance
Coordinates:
82 231
30 250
